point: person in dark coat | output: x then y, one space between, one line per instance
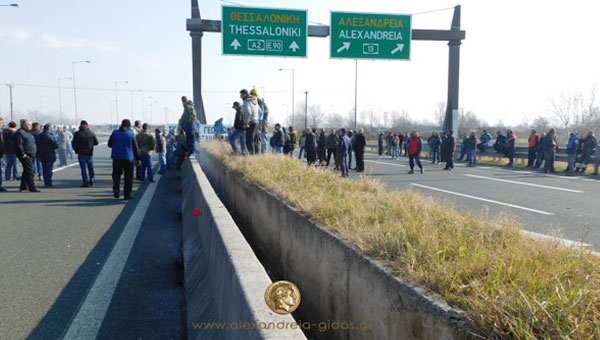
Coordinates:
37 163
310 146
83 143
343 148
321 146
47 145
239 130
2 189
359 150
10 157
448 147
380 144
26 149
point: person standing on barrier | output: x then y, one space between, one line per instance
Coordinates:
124 154
188 123
26 150
47 145
343 148
2 189
239 130
588 148
359 150
448 147
251 113
83 143
414 152
550 147
263 127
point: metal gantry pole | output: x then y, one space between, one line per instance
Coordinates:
355 92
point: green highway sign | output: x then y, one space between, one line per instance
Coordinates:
264 31
370 36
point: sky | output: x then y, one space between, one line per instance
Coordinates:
517 55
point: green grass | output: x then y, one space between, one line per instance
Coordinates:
511 286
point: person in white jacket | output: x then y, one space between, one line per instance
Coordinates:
251 114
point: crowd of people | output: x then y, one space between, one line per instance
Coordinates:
542 148
132 148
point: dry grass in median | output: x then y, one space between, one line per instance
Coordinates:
512 286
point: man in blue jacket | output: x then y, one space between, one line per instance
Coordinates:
47 145
124 154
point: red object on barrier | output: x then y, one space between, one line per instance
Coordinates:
197 212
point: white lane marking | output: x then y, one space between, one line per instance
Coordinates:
64 167
561 241
522 183
68 166
482 199
386 163
92 311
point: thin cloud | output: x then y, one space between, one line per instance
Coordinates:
52 40
15 34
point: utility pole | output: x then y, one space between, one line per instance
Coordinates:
10 87
355 91
306 109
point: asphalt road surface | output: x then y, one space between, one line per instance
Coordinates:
556 205
77 263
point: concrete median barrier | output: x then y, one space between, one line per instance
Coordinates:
224 281
337 282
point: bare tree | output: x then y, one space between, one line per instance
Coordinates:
316 116
335 120
468 121
566 107
440 114
541 124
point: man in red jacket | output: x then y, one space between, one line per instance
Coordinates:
414 151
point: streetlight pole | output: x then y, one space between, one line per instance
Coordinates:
75 85
117 97
10 87
355 92
306 110
293 90
60 98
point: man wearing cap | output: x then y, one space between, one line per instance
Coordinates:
83 144
239 130
251 113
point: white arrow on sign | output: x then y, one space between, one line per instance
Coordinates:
235 44
294 46
345 46
399 48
